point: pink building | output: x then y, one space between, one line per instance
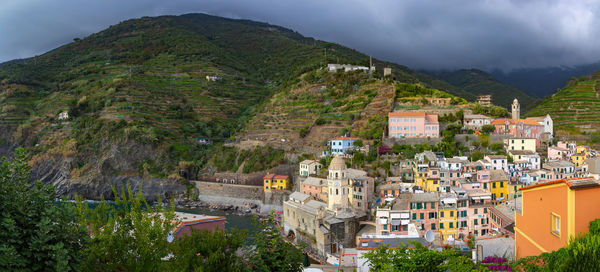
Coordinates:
571 147
477 215
185 222
557 153
315 187
423 210
413 125
498 162
522 128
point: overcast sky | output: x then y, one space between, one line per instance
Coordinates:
422 34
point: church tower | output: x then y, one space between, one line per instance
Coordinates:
338 184
516 109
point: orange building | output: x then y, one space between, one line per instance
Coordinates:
554 211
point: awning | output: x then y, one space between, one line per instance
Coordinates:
450 200
405 216
383 214
383 221
395 215
405 222
396 222
486 197
476 198
500 198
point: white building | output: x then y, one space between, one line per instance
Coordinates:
547 122
309 167
476 121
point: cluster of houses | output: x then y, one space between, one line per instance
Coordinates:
340 213
423 125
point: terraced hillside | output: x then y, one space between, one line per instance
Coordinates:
322 106
574 109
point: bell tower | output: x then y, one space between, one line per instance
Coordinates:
516 109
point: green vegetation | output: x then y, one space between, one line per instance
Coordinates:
477 82
35 234
415 94
416 257
574 108
494 111
127 235
257 159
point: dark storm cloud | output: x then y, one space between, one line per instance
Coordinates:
419 33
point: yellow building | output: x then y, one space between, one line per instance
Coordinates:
448 223
584 150
519 144
578 159
513 190
275 182
498 186
431 185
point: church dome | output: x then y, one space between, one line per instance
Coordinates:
337 164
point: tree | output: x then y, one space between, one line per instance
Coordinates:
358 143
418 258
271 252
476 155
206 250
35 233
127 236
487 129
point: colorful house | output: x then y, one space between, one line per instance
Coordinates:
275 182
553 212
520 128
578 159
413 125
340 145
448 214
520 144
423 209
309 167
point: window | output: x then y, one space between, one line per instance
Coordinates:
494 185
384 227
451 225
484 210
441 225
475 211
475 222
441 214
433 226
555 224
451 213
501 184
485 186
422 216
414 216
433 205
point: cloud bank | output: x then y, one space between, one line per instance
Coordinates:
422 34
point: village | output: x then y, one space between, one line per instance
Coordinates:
339 212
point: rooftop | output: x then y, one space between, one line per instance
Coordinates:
190 217
297 196
308 162
476 116
345 139
515 121
573 183
425 197
522 152
315 181
402 202
497 175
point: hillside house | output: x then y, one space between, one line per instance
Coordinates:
485 100
557 153
476 121
413 125
340 145
519 128
315 187
333 67
498 162
520 144
275 182
63 116
532 159
309 168
547 122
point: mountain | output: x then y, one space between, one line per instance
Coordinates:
141 93
541 82
574 109
479 82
